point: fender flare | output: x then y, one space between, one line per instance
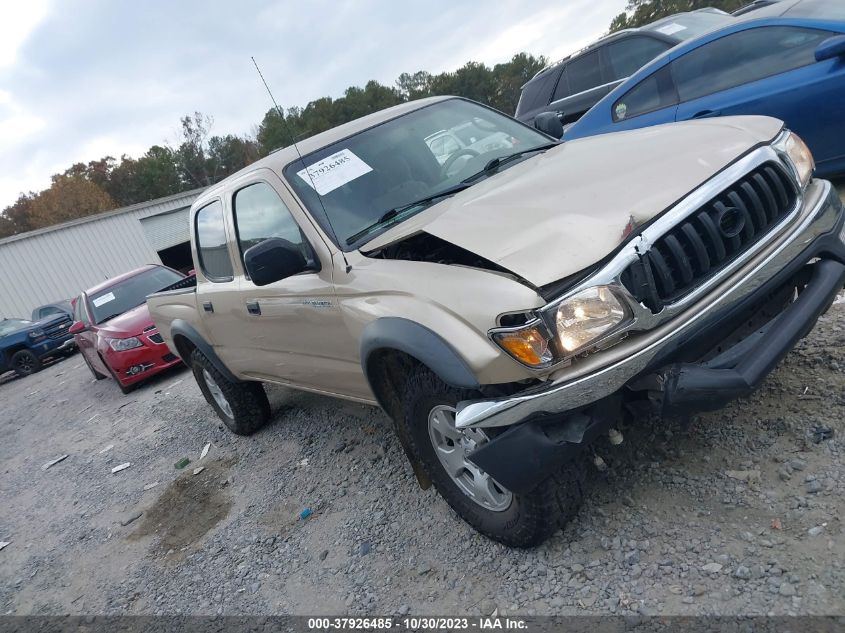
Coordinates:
180 327
419 342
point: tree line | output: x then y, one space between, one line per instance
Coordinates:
199 158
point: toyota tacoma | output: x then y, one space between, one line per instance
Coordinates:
510 304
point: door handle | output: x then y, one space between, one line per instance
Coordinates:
208 307
253 308
704 114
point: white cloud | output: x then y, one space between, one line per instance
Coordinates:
18 18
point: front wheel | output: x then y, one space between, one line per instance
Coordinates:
243 406
25 363
514 519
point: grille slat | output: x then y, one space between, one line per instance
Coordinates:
157 338
711 237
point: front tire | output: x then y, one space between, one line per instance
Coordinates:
243 406
514 519
25 363
97 375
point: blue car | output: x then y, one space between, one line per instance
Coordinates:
25 344
787 61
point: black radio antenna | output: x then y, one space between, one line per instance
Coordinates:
301 160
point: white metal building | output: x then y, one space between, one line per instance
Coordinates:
58 262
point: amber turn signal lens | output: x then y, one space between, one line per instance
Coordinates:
528 345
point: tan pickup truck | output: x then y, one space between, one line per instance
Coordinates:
512 302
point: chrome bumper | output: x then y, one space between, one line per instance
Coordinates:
820 215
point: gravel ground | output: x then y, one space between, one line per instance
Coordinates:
737 512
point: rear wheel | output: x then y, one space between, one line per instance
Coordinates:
243 406
514 519
24 362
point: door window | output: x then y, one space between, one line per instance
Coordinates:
260 214
538 92
744 57
211 243
652 93
584 73
627 56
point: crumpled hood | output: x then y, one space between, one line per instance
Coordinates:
557 213
130 323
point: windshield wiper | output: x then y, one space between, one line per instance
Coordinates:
111 316
501 160
392 213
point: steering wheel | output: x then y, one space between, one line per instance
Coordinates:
451 160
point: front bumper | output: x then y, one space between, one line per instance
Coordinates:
557 422
133 366
817 232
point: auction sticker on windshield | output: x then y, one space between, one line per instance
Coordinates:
104 299
334 171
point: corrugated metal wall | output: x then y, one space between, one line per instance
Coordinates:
58 262
167 229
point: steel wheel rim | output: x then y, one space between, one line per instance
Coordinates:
217 394
452 447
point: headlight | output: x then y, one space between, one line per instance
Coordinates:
36 334
799 155
124 344
528 345
588 316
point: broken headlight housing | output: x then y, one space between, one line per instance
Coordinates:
568 328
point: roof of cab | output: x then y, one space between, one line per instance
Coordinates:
278 159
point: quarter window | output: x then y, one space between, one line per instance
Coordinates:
211 243
744 57
652 93
627 56
584 73
260 214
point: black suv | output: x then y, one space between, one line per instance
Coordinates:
575 84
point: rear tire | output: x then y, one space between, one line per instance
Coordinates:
243 406
25 363
514 519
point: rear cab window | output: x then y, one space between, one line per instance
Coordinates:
212 248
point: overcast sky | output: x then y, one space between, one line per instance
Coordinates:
83 79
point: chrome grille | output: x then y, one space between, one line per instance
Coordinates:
156 338
711 237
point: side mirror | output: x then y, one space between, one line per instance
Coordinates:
77 328
272 260
549 123
830 48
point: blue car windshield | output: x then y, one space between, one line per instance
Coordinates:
7 326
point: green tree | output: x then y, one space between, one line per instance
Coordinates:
642 12
17 217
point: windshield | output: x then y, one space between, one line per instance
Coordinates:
7 326
686 26
130 293
406 159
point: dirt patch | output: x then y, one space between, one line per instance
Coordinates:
188 508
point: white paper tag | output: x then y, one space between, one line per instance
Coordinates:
334 171
672 27
99 301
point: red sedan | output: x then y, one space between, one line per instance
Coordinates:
114 331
